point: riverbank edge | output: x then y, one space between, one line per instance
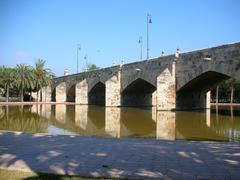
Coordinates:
33 103
225 104
73 103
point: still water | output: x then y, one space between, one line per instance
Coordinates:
215 124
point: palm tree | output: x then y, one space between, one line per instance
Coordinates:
42 76
24 78
6 79
39 75
231 83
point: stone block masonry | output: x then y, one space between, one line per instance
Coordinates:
61 92
82 92
113 89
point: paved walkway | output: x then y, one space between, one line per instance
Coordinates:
109 157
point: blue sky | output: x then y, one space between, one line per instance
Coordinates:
108 30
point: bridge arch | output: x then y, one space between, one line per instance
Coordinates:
71 93
205 82
53 95
97 94
138 93
193 93
223 59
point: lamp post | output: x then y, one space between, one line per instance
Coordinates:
140 42
149 21
78 49
85 58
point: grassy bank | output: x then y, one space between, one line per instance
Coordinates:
11 99
19 175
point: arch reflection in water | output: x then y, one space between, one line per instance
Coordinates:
226 124
137 122
90 119
222 123
207 125
96 121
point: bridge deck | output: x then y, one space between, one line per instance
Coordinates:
109 157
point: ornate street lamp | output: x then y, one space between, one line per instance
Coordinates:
85 58
78 49
140 42
149 21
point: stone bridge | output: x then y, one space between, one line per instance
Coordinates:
178 81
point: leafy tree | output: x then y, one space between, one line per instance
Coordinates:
228 91
91 67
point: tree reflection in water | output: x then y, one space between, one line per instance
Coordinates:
20 118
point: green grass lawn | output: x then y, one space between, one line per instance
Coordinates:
19 175
11 99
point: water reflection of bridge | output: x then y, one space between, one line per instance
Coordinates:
122 122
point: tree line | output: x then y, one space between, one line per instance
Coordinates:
24 79
227 91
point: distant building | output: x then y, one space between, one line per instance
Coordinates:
66 72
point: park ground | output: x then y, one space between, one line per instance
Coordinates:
130 158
